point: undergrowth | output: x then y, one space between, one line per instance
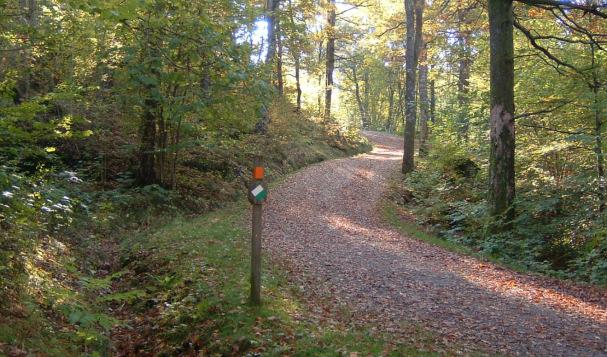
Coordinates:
61 229
195 279
555 232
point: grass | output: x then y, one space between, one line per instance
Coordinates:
68 298
196 271
396 216
51 315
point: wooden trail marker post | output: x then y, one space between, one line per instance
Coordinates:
258 192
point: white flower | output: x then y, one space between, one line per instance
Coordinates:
8 194
74 179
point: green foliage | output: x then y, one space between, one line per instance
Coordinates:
554 231
195 273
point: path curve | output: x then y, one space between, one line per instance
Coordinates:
324 222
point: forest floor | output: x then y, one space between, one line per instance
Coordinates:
326 225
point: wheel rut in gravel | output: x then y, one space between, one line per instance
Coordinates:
325 222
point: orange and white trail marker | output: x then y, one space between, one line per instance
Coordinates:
258 193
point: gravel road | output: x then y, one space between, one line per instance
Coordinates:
324 222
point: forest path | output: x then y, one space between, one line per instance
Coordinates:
325 224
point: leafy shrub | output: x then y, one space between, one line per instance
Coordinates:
554 232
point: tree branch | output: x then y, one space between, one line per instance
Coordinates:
551 129
593 9
539 112
398 25
533 40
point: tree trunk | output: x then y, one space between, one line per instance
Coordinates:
205 83
598 134
389 125
147 168
401 97
262 125
162 130
294 48
600 160
414 11
29 10
432 102
297 81
319 97
424 102
501 159
147 174
279 77
366 102
463 80
271 23
330 60
361 108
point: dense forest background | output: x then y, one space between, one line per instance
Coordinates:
117 114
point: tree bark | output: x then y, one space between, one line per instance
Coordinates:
271 23
366 103
389 125
319 97
361 108
424 102
30 20
330 58
147 172
262 125
279 77
414 12
502 148
295 50
205 83
147 158
463 80
432 102
401 97
297 81
598 134
600 159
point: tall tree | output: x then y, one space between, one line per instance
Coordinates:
361 106
501 159
330 58
295 48
414 10
424 102
271 17
502 134
464 65
147 173
596 86
279 59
